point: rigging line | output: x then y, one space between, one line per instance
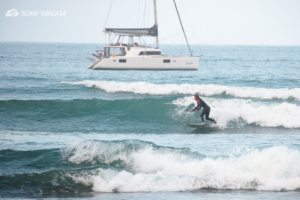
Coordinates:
149 2
191 27
127 20
143 15
138 15
144 18
183 28
170 36
108 13
107 19
147 20
95 44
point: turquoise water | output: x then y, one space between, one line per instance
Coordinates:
66 131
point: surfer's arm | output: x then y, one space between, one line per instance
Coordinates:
197 108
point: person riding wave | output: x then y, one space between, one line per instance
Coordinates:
205 111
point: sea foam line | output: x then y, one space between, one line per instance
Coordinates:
207 90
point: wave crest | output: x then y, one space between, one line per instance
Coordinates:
274 168
207 90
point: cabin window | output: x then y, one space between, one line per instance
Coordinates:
109 52
166 61
150 53
117 51
122 60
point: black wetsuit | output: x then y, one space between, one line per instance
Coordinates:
205 111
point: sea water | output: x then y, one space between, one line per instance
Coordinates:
66 131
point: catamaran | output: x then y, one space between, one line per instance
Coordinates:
136 55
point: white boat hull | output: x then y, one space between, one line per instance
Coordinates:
148 63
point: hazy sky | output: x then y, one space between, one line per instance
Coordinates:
220 22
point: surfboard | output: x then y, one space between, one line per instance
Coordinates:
198 125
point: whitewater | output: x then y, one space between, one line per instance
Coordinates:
153 168
70 132
243 111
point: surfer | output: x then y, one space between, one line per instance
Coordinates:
205 111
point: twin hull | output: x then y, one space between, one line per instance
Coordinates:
146 63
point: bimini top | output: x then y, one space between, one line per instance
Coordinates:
153 31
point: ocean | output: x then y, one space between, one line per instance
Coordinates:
70 132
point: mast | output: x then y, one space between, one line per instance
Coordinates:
155 17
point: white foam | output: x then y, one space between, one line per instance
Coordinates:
242 111
152 170
207 90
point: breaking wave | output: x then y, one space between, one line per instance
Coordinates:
144 167
241 112
207 90
141 166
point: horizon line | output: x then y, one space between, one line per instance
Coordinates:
278 45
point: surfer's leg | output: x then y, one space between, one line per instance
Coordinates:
207 116
202 114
